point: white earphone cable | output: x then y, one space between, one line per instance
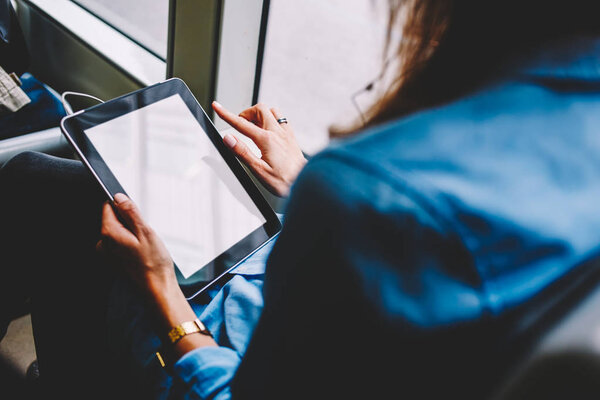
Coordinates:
66 104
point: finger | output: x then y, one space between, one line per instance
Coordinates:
260 114
240 124
100 246
130 214
277 114
113 228
104 247
243 152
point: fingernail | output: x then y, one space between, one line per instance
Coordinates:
119 198
230 141
217 104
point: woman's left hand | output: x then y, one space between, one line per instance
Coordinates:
135 246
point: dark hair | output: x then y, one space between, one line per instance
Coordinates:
448 48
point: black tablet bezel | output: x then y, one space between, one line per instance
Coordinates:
74 126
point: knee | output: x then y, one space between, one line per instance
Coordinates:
38 171
22 162
44 168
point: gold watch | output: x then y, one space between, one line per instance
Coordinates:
187 328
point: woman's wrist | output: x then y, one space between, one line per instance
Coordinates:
173 310
149 264
170 304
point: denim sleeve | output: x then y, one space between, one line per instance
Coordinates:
356 287
231 317
207 372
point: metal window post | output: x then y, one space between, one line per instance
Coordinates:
216 47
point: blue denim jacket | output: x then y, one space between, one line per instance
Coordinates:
405 247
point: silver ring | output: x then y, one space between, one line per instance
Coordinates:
282 120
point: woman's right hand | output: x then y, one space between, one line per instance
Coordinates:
281 161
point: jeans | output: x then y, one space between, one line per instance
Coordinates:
95 336
51 216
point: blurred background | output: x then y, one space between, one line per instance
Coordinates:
317 54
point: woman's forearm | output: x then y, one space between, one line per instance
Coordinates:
140 252
173 309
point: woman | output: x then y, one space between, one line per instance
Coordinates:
413 255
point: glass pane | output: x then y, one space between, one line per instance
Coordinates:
318 54
144 21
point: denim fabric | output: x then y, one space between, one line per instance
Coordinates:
436 236
45 110
230 312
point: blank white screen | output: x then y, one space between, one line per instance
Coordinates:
167 164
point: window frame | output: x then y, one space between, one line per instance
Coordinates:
216 70
94 10
213 68
67 25
227 64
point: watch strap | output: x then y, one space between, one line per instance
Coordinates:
187 328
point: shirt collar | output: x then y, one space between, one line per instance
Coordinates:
576 59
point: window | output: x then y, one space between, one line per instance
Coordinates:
101 60
144 21
318 54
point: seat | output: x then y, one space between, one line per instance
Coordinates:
49 141
35 126
564 359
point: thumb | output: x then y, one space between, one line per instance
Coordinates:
129 212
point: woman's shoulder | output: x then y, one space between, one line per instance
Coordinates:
366 223
500 171
488 147
343 188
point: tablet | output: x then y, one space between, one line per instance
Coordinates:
159 147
